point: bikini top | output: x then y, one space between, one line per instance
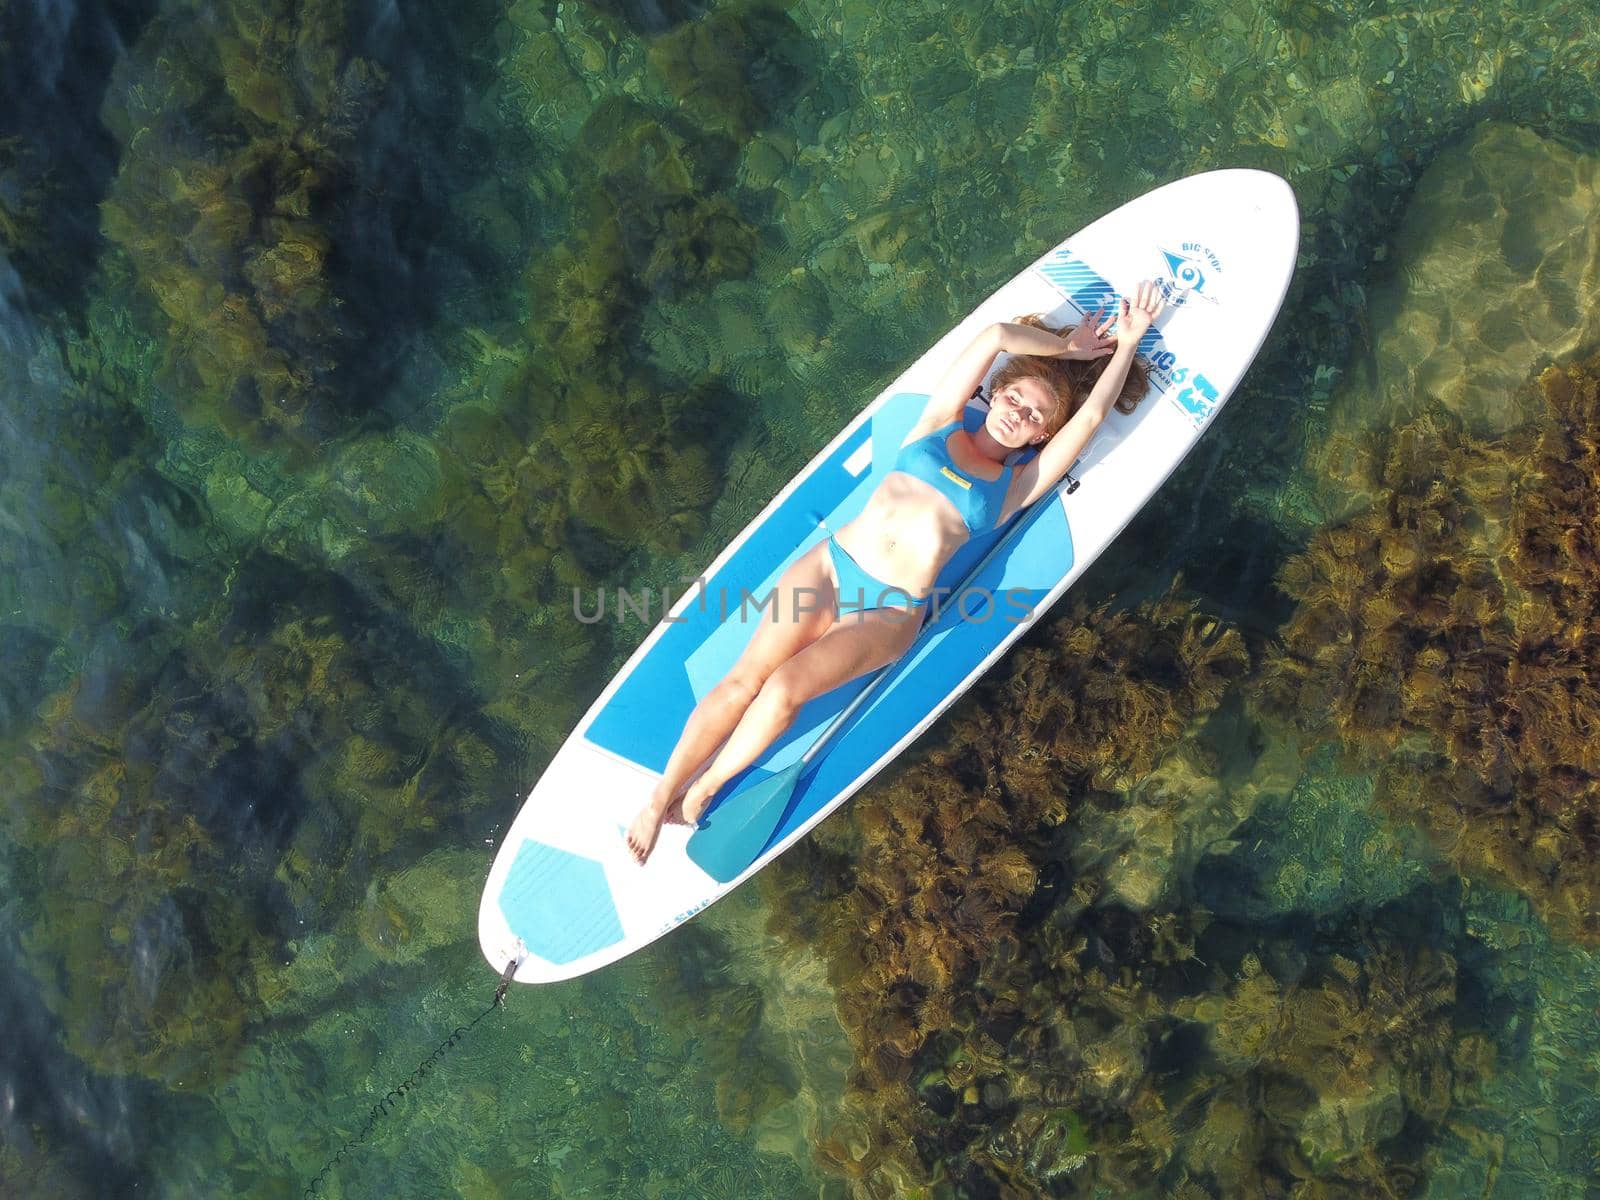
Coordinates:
977 500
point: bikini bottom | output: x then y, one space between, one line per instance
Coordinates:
859 589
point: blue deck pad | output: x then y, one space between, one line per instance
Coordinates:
559 903
644 717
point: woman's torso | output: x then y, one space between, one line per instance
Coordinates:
909 528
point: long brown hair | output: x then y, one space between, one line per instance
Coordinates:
1070 380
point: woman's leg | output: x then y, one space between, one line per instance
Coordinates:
720 710
855 645
709 725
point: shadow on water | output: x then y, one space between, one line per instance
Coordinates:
1246 919
259 792
400 250
64 1122
654 16
55 63
24 653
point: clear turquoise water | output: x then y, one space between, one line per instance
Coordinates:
337 346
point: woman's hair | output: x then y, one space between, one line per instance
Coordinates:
1070 380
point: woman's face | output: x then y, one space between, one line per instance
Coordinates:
1019 413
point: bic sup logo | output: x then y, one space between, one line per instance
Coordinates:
1192 271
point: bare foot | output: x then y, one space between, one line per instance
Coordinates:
641 835
647 822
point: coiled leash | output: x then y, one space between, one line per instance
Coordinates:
397 1093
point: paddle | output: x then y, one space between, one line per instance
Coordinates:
733 833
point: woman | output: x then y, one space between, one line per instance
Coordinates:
946 485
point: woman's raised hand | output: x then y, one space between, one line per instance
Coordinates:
1136 316
1090 338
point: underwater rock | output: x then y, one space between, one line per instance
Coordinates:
645 173
765 159
732 1044
1499 236
1176 815
1490 282
409 913
397 481
1342 1061
279 212
698 246
1046 1146
174 823
219 235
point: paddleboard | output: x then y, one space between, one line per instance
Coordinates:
565 897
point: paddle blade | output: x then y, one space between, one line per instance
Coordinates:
734 832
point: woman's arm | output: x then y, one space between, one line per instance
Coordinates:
1086 340
1046 469
949 398
956 386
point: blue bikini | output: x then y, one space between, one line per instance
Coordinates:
861 589
979 502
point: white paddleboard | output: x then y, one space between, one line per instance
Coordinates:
564 895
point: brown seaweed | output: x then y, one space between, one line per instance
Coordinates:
1445 639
